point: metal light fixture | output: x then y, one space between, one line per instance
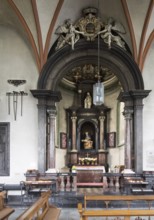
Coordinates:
98 88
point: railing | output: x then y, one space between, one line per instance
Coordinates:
125 182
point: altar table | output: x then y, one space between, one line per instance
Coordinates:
90 176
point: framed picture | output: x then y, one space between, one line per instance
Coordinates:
112 139
63 140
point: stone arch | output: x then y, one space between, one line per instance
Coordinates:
128 74
119 60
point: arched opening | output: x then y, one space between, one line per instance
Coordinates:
87 130
131 92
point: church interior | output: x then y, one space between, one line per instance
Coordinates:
76 96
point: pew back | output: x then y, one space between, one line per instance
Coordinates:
5 211
128 212
41 209
125 198
2 197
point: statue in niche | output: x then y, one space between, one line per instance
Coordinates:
88 143
88 101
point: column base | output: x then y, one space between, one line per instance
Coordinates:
102 150
74 150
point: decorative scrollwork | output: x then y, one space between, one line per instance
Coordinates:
16 82
89 27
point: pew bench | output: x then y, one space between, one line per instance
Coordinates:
41 209
5 211
86 212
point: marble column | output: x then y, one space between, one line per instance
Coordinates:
128 138
74 118
101 144
138 97
134 100
46 99
42 138
51 147
138 137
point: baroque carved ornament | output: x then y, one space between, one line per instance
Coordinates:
89 27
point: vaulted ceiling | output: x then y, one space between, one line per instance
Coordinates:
36 21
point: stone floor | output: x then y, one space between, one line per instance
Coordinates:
71 214
66 214
67 201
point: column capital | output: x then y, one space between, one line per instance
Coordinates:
52 113
46 97
102 118
74 118
128 113
133 95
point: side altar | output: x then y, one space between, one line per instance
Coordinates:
89 175
87 127
87 134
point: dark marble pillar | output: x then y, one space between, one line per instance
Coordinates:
42 138
138 127
46 102
134 131
51 147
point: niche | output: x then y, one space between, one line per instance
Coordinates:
87 136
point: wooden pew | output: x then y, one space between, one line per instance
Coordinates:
5 211
107 212
41 209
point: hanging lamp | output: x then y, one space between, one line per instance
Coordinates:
98 87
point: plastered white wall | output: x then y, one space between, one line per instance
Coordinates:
17 63
60 158
111 102
115 157
148 114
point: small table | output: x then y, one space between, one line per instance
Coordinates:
37 187
134 185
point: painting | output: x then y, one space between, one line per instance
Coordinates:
112 139
63 140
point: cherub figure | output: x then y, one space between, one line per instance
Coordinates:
108 35
68 34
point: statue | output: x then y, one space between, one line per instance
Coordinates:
68 34
88 143
109 37
88 101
